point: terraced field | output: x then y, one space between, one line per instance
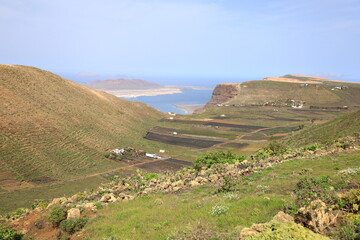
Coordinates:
239 129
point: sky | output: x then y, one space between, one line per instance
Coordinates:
185 42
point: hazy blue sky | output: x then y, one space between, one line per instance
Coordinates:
220 40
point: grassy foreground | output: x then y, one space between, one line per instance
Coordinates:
257 199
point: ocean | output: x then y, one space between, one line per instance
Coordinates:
165 103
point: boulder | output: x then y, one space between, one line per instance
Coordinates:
317 216
194 183
247 232
73 213
57 201
213 178
282 217
90 206
108 198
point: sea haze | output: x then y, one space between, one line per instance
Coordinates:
165 103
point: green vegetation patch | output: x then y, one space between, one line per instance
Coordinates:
210 159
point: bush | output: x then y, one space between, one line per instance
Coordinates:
150 176
39 203
350 202
312 147
219 210
309 189
57 214
288 230
9 234
349 228
73 225
99 206
210 159
275 148
228 185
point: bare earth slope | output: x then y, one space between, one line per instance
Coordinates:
312 91
52 128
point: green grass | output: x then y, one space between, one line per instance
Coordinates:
25 197
159 216
145 217
347 125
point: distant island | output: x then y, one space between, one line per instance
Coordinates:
129 88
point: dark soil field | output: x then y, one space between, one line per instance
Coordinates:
181 141
245 128
160 166
279 130
182 162
235 145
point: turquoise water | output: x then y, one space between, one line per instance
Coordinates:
165 103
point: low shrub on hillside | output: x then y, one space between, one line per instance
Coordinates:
349 228
350 201
312 147
289 230
219 210
210 159
57 214
150 176
73 225
39 203
9 234
275 148
309 189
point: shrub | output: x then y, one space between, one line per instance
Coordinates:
349 171
73 225
259 155
227 185
9 234
210 159
350 202
309 189
312 147
39 203
57 214
289 230
150 176
275 148
350 228
231 196
98 205
219 210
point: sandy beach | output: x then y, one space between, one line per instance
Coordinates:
144 92
189 108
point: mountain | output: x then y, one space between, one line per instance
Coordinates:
343 126
287 90
116 84
53 128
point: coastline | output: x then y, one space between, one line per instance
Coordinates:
143 92
189 108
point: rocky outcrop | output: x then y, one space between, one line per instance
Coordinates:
223 93
317 216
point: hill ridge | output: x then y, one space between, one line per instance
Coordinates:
279 91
